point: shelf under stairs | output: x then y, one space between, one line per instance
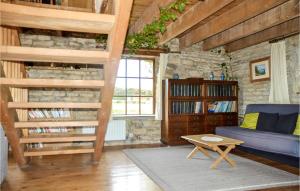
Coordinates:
15 85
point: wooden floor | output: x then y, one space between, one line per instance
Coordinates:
115 172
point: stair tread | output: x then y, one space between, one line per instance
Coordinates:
20 105
51 83
41 124
60 150
57 138
54 19
34 54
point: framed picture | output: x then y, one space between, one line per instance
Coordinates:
260 69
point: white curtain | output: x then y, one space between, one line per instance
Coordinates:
279 92
163 61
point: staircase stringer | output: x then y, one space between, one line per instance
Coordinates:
10 36
7 119
122 9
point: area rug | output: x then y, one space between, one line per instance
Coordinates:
169 168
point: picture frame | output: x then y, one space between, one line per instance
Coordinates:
260 69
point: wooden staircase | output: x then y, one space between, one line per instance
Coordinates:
14 84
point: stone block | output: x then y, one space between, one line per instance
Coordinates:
43 44
43 37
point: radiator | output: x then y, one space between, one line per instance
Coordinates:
116 130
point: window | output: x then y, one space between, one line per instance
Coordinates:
134 88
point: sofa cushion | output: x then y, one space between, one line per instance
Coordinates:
286 123
297 129
264 141
267 122
250 120
273 108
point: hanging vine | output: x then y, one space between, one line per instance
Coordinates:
148 37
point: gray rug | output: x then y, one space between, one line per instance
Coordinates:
169 168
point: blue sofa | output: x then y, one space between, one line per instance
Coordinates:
271 144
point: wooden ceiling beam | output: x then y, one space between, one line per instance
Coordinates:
279 31
273 17
151 13
53 19
32 54
199 12
147 52
230 18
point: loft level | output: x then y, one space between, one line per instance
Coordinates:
51 83
53 19
26 124
51 6
60 151
19 53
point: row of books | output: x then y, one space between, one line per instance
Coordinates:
35 145
186 107
49 130
220 90
84 130
185 90
53 113
221 106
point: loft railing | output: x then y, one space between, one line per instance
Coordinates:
96 6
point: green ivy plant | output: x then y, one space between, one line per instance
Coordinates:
148 38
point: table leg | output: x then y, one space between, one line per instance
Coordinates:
192 153
223 155
204 151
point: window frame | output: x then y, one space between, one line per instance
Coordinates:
139 78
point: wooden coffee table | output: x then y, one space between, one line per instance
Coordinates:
201 144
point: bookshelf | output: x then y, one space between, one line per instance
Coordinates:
50 115
197 106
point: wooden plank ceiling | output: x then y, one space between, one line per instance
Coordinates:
233 23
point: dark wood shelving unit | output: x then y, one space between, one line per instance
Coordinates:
180 117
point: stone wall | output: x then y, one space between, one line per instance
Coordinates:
67 95
44 40
139 130
193 61
258 92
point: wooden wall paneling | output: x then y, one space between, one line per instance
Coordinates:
115 46
235 15
273 17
